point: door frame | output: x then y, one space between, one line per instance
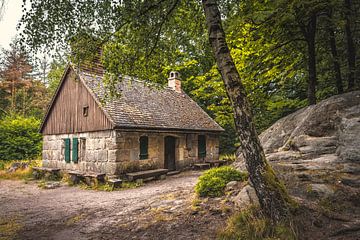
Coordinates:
166 161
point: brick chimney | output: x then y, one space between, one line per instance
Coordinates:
174 81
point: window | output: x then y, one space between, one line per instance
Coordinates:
75 150
201 146
67 150
85 111
144 142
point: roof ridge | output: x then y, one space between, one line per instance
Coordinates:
145 104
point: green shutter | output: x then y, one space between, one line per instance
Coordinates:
75 150
144 147
67 149
201 146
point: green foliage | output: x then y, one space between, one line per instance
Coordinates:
54 76
251 224
212 183
228 157
19 138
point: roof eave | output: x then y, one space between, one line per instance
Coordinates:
164 129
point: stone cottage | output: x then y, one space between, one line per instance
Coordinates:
145 126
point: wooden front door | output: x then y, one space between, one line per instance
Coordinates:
170 153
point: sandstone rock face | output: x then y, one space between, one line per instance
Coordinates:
330 127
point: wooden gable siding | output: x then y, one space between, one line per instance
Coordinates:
66 112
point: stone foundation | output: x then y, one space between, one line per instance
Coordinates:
116 152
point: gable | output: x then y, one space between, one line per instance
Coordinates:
66 113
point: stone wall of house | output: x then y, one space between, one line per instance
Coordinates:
96 152
186 150
117 152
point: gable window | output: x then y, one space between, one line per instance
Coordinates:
67 150
201 146
144 142
85 111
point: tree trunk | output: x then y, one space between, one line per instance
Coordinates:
334 53
310 38
351 54
273 197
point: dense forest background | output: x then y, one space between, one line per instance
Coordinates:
289 53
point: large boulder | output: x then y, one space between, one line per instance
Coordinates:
330 127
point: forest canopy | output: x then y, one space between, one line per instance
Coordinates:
289 53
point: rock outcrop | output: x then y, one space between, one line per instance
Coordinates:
326 132
316 153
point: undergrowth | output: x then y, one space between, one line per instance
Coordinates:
228 157
108 188
213 182
9 226
251 224
19 174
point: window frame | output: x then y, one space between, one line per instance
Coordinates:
85 111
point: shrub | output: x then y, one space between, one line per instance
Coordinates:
212 183
19 138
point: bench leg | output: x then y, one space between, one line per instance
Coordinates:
37 174
161 177
115 185
139 181
74 179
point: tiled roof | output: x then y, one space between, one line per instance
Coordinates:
144 105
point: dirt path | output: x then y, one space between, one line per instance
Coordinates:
158 210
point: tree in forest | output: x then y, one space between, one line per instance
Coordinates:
15 73
2 6
272 195
351 51
148 25
57 67
21 93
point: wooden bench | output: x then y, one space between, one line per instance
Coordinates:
216 163
75 176
47 173
93 179
144 175
201 166
114 183
89 178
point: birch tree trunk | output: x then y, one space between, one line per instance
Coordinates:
273 197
